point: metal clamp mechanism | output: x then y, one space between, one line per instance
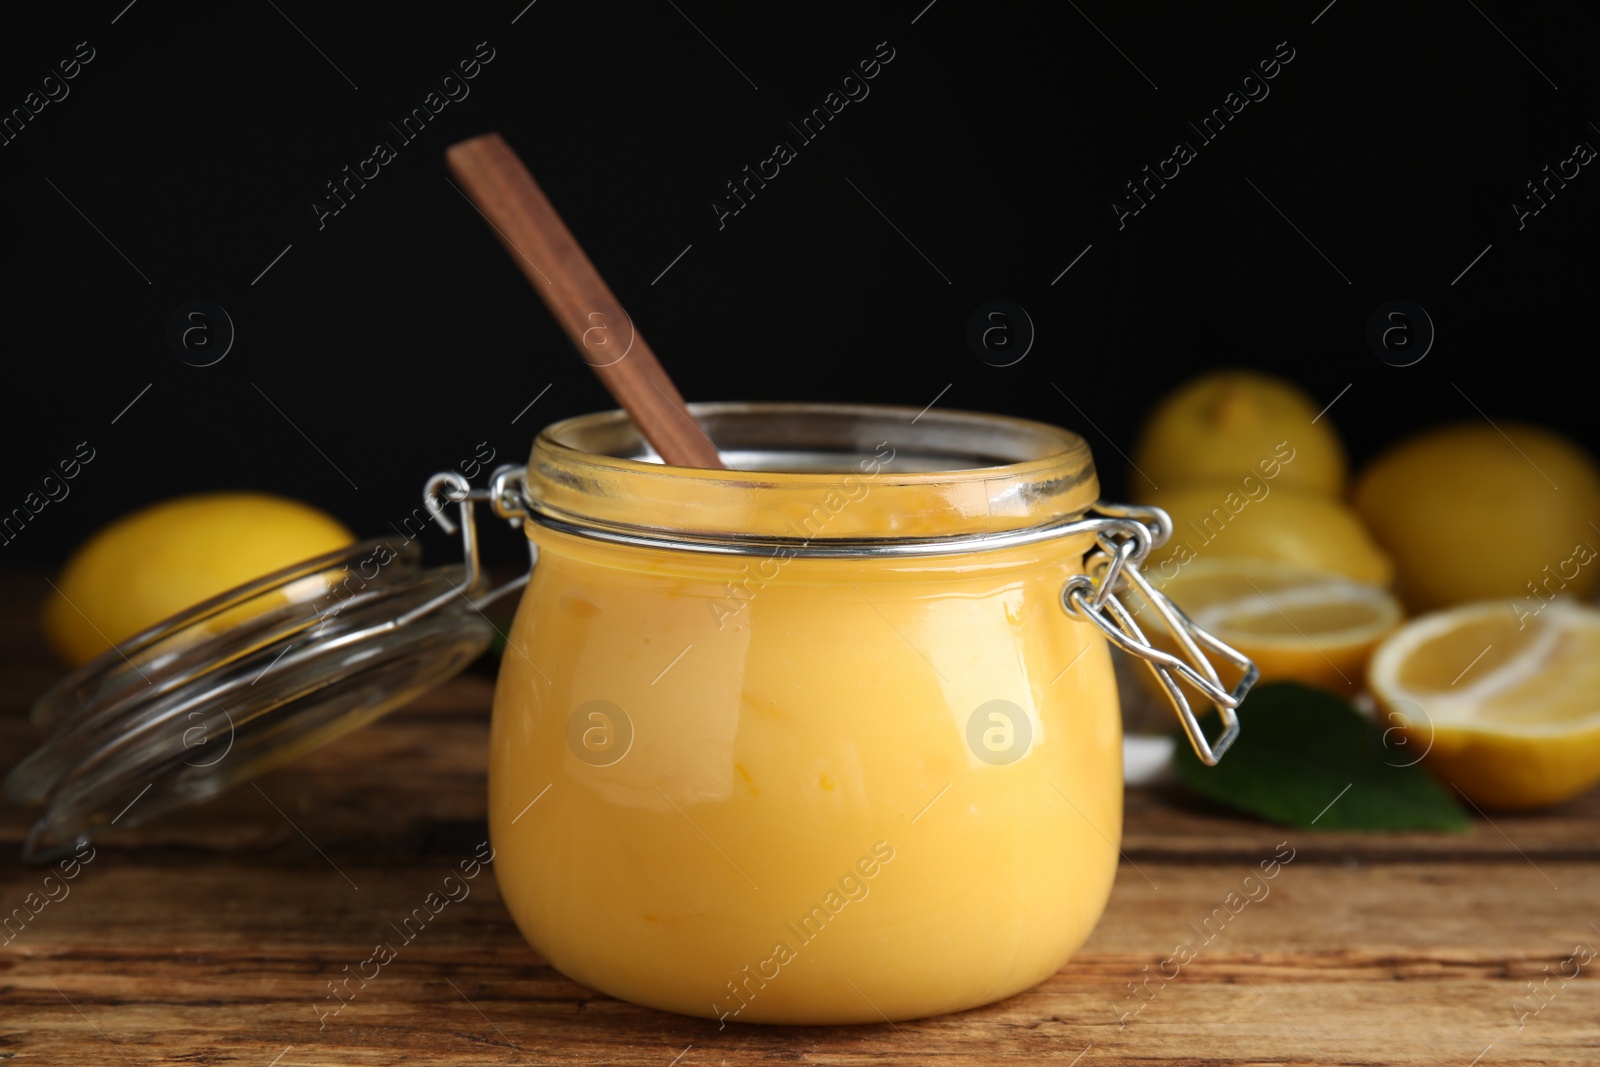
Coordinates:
504 496
1092 597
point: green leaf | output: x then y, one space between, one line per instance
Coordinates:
1298 750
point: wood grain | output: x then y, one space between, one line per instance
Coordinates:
560 272
210 937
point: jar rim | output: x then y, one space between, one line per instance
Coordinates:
813 472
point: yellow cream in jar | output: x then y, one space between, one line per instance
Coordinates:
778 788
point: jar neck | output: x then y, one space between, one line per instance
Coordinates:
815 474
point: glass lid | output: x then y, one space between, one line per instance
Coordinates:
250 680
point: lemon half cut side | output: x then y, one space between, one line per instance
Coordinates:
1296 623
1506 704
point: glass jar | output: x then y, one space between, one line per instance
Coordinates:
827 737
812 739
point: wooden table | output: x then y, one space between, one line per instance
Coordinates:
210 937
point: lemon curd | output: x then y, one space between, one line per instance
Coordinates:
781 787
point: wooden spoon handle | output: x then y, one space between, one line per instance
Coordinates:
551 259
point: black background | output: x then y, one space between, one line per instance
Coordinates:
400 335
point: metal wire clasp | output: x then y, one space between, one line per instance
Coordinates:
1092 597
504 496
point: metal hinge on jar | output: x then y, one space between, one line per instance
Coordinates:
504 497
1122 544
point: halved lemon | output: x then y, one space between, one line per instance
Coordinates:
1296 623
1506 705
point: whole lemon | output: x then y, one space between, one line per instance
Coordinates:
1226 424
170 556
1256 519
1475 512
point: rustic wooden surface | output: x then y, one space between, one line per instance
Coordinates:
209 938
